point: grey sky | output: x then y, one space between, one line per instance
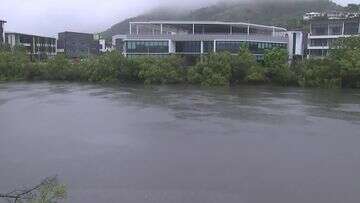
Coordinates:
48 17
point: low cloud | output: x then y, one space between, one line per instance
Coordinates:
48 17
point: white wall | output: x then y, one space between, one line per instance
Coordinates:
299 43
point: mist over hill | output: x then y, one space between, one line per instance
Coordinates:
285 13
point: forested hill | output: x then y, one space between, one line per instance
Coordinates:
285 13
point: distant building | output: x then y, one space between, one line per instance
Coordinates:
104 46
77 45
37 47
195 38
311 15
2 31
326 30
333 15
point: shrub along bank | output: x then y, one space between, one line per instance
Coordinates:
340 69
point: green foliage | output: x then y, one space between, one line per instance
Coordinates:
168 70
105 68
213 70
50 193
13 64
241 64
277 68
319 73
353 8
345 58
256 74
340 69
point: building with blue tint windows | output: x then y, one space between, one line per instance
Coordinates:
161 38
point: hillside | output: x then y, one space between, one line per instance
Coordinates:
275 12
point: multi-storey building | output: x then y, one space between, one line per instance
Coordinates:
324 31
77 45
37 47
161 38
2 31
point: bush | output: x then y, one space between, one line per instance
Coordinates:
277 67
59 68
212 70
320 73
256 74
13 64
345 59
241 64
162 71
104 68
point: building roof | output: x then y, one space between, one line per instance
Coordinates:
82 33
3 21
17 33
209 23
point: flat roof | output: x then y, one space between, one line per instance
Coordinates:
72 32
208 23
18 33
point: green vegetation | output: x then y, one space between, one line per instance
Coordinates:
340 69
48 191
13 64
212 70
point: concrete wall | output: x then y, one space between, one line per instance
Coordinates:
296 43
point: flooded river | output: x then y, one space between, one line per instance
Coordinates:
182 144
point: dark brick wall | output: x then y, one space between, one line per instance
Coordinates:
77 45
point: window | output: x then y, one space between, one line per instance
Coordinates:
351 28
208 46
147 46
319 42
188 47
254 47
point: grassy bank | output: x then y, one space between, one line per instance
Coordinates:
340 69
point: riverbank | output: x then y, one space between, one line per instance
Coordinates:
341 69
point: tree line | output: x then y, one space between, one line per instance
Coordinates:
340 69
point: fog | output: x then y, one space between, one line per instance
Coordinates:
48 17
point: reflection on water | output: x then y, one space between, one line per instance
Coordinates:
130 143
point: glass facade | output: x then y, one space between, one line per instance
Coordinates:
335 28
208 46
351 28
319 29
147 46
254 47
188 47
319 42
133 56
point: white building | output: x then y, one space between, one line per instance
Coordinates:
311 15
325 31
194 38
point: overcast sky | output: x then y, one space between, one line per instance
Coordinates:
48 17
